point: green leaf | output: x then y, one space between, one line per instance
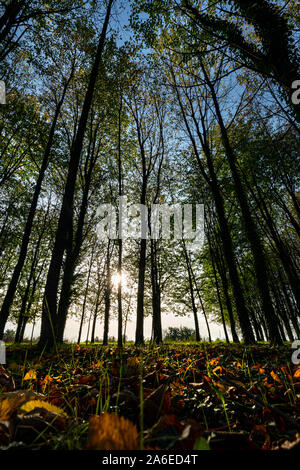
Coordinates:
201 444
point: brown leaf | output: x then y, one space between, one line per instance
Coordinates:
6 380
11 401
154 403
111 432
29 426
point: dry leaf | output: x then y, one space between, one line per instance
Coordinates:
33 404
111 432
297 373
31 375
7 408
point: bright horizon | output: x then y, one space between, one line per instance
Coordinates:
72 327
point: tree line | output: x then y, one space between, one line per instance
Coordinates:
193 107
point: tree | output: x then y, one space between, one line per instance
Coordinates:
272 53
4 312
64 229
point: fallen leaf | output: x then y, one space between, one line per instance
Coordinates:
275 377
111 432
33 404
297 373
31 375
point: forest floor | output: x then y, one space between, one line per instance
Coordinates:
173 397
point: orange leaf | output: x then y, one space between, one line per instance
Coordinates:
297 373
214 361
275 377
31 375
218 369
111 432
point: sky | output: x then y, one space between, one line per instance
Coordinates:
72 327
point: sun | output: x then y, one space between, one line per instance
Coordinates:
118 279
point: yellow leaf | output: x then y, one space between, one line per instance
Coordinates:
111 432
9 402
33 404
275 377
218 369
46 381
297 373
7 408
31 375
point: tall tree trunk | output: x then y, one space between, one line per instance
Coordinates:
222 271
292 314
156 295
120 240
287 262
65 224
249 224
21 318
202 305
97 305
126 317
212 256
139 334
28 308
10 294
85 298
194 307
72 255
107 294
257 329
212 181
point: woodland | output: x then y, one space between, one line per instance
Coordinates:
182 103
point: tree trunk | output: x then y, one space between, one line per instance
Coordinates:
249 224
10 294
217 287
156 296
222 271
65 223
72 255
212 181
120 241
194 307
139 335
107 296
85 298
202 305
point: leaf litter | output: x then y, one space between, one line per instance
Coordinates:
170 397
